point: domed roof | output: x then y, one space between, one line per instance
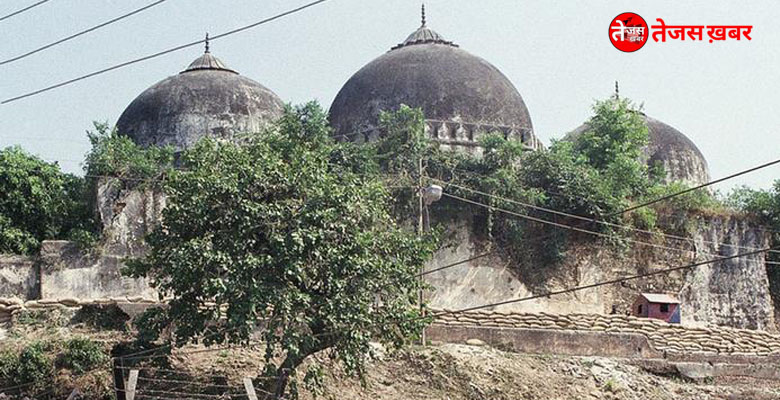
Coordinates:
206 99
679 156
451 86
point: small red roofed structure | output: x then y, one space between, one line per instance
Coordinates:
661 306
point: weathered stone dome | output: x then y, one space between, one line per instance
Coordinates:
206 99
461 95
679 156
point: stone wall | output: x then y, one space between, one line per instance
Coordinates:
733 292
68 272
127 216
19 277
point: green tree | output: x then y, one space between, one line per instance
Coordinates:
38 201
612 143
272 233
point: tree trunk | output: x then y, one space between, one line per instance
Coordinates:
275 389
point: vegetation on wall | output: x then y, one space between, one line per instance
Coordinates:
764 205
273 232
40 202
115 155
594 174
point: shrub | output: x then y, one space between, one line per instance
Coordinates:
82 354
30 366
115 155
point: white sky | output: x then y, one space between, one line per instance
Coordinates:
724 96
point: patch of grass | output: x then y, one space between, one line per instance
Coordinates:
612 386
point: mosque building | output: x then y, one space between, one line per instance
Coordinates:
462 97
668 148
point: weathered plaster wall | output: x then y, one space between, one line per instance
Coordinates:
493 278
19 277
127 216
67 272
732 293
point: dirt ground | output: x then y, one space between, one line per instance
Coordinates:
464 372
455 372
441 372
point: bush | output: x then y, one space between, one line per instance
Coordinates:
82 354
30 366
115 155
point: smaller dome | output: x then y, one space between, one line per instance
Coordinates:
424 35
208 61
678 155
206 99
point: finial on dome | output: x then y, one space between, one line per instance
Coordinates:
423 14
617 91
207 42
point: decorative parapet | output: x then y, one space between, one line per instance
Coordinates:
457 134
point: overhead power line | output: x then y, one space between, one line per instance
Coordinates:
75 35
565 226
23 10
660 199
588 219
455 264
161 53
473 173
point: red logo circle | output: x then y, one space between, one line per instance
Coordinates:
628 32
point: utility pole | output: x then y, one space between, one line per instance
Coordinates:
420 233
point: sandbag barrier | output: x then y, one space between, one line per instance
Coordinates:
671 338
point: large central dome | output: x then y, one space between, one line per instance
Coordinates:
461 95
206 99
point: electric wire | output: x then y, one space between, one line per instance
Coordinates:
88 30
564 226
161 53
601 222
22 10
474 173
455 264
